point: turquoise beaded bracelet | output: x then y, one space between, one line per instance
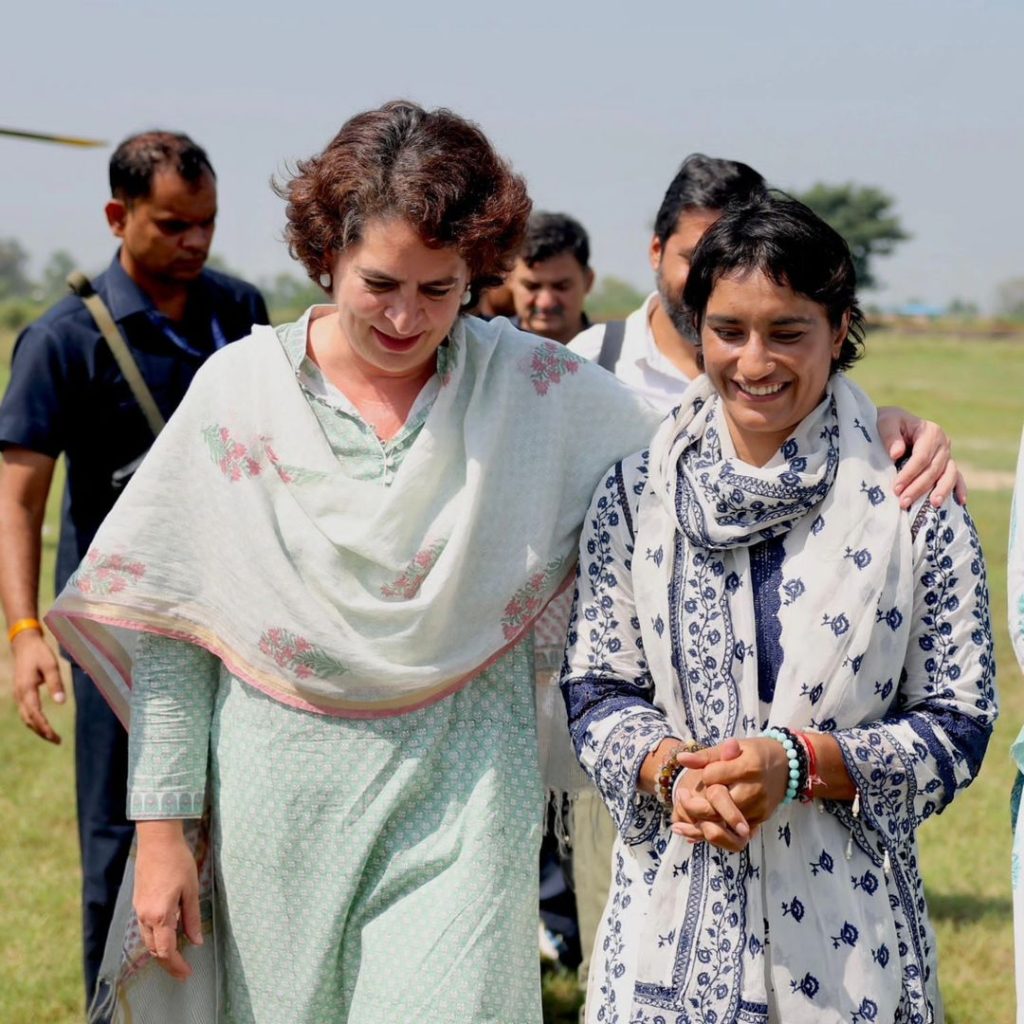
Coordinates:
789 747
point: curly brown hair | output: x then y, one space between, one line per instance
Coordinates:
434 169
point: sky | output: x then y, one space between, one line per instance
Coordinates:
596 104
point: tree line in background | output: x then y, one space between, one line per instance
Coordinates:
863 215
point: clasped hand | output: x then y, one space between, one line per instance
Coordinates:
728 791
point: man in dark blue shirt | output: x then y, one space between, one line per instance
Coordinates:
67 394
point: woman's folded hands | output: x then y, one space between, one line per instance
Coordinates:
728 791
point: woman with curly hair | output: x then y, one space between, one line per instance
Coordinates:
315 602
321 586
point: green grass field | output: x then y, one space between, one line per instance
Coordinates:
975 389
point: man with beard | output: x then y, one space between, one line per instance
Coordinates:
70 392
650 351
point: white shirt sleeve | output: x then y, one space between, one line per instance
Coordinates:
588 343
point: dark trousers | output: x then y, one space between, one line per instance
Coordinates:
104 834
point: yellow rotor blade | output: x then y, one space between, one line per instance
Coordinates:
63 140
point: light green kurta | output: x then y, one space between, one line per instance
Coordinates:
366 870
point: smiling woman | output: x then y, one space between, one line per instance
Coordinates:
773 321
769 353
315 602
396 301
796 674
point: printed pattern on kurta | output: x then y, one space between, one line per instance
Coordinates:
358 845
847 941
366 870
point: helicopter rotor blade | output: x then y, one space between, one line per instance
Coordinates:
63 140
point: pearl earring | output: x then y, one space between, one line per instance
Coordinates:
467 297
325 281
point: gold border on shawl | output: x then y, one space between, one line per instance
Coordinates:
78 616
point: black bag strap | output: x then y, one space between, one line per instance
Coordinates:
82 287
611 344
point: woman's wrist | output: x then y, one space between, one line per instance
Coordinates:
795 767
681 779
832 780
160 831
652 765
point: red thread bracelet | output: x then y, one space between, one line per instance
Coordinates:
813 778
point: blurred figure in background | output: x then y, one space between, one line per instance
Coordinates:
549 284
552 277
496 301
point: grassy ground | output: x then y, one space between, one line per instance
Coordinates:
975 389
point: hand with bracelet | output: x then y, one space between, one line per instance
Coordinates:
35 668
754 773
667 765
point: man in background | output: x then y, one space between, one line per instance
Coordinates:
551 278
651 352
67 394
549 284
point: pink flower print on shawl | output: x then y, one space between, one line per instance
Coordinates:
234 458
288 473
527 602
237 460
106 574
407 584
548 364
298 655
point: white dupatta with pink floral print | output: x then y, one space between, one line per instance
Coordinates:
242 532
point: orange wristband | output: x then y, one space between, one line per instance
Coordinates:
21 625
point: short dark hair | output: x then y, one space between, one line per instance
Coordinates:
550 234
705 183
789 243
434 169
139 157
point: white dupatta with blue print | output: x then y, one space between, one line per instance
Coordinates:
822 917
837 637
